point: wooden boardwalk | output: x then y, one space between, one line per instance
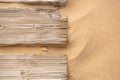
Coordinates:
54 2
33 67
30 27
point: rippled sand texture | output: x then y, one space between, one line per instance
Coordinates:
94 39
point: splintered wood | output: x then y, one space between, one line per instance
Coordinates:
54 2
33 67
32 27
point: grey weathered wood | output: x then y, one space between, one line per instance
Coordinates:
54 2
32 27
33 67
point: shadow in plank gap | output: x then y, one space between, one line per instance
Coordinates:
33 67
32 27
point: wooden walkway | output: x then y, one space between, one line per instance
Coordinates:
33 67
30 27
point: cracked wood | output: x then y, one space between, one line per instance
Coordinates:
33 67
30 27
54 2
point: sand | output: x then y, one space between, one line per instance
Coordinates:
94 39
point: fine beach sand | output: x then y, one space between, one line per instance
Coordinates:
94 39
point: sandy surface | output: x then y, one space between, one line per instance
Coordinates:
94 39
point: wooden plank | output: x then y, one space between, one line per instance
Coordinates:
33 67
54 2
29 27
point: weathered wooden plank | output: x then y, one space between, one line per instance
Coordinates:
33 67
32 27
28 16
54 2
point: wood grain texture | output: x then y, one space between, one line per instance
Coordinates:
32 27
54 2
33 67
